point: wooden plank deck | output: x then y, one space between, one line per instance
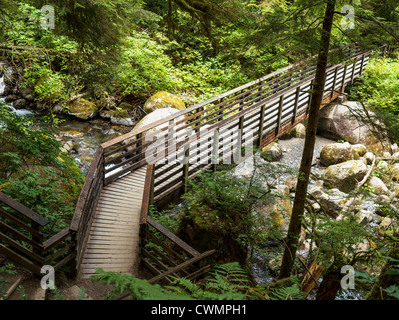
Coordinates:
113 243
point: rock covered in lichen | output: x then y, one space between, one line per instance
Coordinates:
163 99
82 109
345 175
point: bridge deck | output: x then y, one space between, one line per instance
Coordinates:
113 243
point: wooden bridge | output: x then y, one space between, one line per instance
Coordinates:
111 228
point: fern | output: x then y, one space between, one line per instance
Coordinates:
228 282
292 292
139 289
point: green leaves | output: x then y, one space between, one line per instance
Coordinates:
226 282
36 173
393 291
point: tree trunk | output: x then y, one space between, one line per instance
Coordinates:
294 229
330 285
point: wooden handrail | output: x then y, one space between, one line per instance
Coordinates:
171 236
268 100
148 189
93 170
30 214
137 131
56 239
182 266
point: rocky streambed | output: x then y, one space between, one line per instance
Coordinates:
80 138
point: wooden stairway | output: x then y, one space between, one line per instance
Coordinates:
113 242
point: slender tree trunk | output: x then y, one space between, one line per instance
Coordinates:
307 156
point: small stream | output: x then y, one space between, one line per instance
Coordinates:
85 135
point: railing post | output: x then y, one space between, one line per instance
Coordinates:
362 64
334 83
239 139
311 96
186 167
139 143
241 102
152 188
215 149
261 124
74 264
298 90
280 111
343 79
353 72
220 113
36 238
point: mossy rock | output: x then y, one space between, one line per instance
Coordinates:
82 109
345 175
163 99
125 106
272 152
121 113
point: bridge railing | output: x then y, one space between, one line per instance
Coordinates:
255 113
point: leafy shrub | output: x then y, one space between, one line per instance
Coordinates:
379 89
34 172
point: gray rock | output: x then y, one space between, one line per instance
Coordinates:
58 108
345 175
122 121
26 93
365 216
19 104
334 153
300 131
272 152
369 156
383 198
395 156
336 122
378 186
291 182
361 149
10 98
282 188
330 203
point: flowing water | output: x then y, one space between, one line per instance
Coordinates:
85 135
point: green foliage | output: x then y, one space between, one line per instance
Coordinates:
226 282
339 240
292 292
379 89
139 289
34 170
7 269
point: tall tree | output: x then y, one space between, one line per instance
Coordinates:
294 229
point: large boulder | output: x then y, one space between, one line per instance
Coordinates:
336 122
378 186
332 201
156 116
272 152
299 131
345 175
395 172
152 118
334 153
82 109
163 99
